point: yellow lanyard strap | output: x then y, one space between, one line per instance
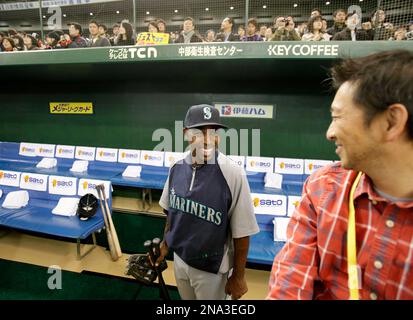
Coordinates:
352 269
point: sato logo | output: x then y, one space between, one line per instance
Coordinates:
88 185
267 202
260 164
107 154
85 153
312 166
129 155
28 179
284 165
43 150
64 151
151 158
24 149
57 183
5 175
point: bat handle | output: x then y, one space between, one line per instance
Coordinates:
157 247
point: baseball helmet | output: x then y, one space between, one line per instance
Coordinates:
88 205
202 115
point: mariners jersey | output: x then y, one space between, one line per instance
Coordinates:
207 206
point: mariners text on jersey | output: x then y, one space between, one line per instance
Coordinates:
197 209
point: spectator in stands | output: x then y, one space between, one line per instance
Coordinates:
282 33
315 12
103 30
210 36
302 29
399 34
40 43
263 29
241 31
76 40
8 45
268 35
96 40
30 42
161 24
315 32
2 36
325 26
226 31
289 23
339 18
12 32
351 33
19 42
52 40
172 37
381 30
252 31
326 255
125 35
115 32
153 27
409 33
188 34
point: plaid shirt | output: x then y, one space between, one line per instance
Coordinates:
313 262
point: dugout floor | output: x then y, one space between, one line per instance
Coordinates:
19 247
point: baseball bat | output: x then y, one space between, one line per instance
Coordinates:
115 238
156 252
108 233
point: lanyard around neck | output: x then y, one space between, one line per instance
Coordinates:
352 269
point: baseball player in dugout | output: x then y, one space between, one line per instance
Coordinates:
351 237
210 216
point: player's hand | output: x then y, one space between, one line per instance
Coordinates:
236 286
163 252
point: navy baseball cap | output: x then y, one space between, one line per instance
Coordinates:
202 115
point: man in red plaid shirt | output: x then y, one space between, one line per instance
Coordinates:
372 127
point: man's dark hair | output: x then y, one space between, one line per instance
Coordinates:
159 20
94 22
253 22
380 79
230 20
116 25
77 26
337 11
316 9
12 32
105 28
191 19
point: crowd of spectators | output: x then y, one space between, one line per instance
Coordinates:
346 26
